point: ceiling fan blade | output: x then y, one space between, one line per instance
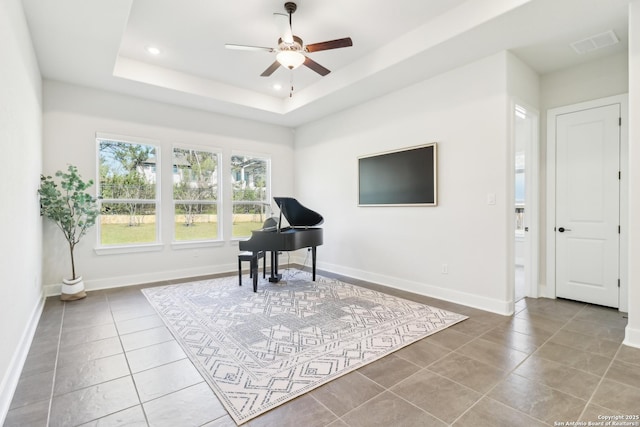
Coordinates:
284 27
271 69
310 63
249 48
331 44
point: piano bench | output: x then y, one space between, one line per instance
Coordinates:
253 263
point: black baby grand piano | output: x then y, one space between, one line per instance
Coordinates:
301 233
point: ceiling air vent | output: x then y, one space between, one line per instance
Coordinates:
595 42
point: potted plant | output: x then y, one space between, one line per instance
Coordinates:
74 211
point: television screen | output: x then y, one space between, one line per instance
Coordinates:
402 177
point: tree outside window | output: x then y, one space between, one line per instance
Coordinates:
127 187
195 194
250 194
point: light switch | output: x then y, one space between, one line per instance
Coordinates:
491 198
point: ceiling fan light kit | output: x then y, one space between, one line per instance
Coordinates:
289 52
290 59
289 55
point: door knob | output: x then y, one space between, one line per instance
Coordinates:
562 229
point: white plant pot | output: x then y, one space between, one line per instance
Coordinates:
72 290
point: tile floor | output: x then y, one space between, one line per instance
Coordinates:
108 360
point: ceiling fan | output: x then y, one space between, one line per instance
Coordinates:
291 49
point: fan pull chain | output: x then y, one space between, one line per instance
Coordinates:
291 83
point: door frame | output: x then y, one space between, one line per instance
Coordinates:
549 290
532 205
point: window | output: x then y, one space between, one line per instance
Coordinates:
127 186
195 194
251 193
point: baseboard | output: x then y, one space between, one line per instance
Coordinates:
504 308
151 277
470 300
12 376
631 337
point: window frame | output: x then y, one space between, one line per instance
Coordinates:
156 245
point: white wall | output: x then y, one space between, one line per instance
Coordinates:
632 335
466 112
73 115
592 80
523 83
20 223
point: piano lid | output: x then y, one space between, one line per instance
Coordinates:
296 214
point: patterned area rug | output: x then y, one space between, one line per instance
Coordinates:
259 350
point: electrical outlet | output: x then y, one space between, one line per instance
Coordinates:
445 269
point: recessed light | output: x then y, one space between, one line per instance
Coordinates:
153 50
277 86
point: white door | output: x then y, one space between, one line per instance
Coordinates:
588 205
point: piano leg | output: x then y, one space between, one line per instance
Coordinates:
313 262
275 277
274 266
254 271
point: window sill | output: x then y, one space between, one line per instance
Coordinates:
235 241
197 244
129 249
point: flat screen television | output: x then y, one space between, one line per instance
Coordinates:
405 177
